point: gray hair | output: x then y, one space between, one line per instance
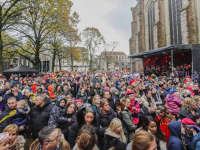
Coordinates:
45 134
41 97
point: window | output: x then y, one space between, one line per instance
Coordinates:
175 21
151 21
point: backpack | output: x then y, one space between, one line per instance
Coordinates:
195 144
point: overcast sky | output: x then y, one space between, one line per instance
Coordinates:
112 17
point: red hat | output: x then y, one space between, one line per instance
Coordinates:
189 123
129 92
131 82
78 100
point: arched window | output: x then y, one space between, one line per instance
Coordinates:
175 21
151 21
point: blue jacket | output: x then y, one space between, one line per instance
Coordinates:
197 137
166 91
97 79
175 142
21 116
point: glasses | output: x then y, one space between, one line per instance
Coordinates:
56 139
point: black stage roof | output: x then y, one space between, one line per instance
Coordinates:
167 49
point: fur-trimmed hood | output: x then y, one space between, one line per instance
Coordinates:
24 111
111 133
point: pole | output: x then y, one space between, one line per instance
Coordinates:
192 65
131 65
172 59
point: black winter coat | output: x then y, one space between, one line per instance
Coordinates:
73 132
184 113
104 120
112 140
40 117
7 121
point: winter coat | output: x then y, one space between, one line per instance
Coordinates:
73 132
51 93
7 121
166 92
82 97
67 92
175 142
21 116
63 145
196 142
57 113
96 91
112 140
67 125
58 93
95 108
157 98
75 89
96 79
33 87
40 117
173 103
112 102
164 122
184 113
85 82
10 94
127 123
135 113
103 120
148 103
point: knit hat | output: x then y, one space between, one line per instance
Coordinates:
131 82
129 92
3 136
96 75
189 123
114 90
173 91
78 100
106 88
187 76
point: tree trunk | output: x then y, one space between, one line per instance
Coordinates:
72 63
59 60
37 58
107 63
90 62
53 60
1 53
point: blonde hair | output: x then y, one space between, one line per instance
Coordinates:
115 123
196 98
11 128
142 140
69 96
23 103
94 103
187 103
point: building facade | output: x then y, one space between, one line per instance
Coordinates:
116 61
159 23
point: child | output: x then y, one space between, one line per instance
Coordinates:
173 102
21 117
69 98
31 97
190 130
163 121
58 111
135 107
66 90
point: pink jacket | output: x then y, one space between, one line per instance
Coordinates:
173 103
134 103
191 90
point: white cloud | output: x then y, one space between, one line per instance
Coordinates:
112 17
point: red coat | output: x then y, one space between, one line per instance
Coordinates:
136 112
33 87
164 126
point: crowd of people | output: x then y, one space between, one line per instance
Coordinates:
99 110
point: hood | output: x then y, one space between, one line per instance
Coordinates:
59 98
50 87
45 91
111 133
24 111
175 128
37 88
